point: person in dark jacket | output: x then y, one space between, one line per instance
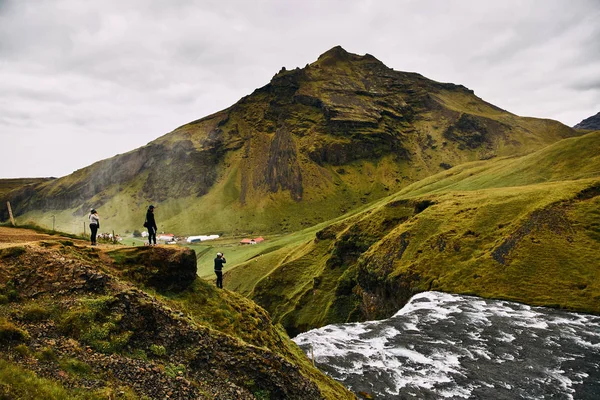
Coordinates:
151 225
94 225
219 261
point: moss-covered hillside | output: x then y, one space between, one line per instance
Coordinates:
525 229
78 322
8 185
313 144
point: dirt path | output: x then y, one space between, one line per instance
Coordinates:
9 236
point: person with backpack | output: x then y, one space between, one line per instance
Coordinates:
219 261
94 225
151 225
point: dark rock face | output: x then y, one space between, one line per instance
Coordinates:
468 131
553 219
189 171
592 123
163 269
283 170
374 146
171 172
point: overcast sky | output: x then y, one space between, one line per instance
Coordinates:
81 81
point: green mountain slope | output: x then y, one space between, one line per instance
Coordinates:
9 185
521 228
311 145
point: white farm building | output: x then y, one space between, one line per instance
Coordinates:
201 238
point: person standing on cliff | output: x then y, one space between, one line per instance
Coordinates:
219 261
94 225
151 225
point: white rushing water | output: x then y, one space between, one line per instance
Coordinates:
443 346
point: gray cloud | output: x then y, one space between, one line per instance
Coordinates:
82 81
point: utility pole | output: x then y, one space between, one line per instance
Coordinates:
84 234
53 222
10 214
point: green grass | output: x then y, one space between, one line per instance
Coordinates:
37 311
76 367
237 254
8 185
20 384
11 333
133 241
525 229
92 322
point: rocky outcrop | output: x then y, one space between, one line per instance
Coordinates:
164 269
592 123
283 169
80 321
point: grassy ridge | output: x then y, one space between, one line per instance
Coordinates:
525 229
569 159
8 185
19 383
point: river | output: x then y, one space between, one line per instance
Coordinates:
444 346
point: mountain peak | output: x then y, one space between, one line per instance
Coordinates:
339 54
591 123
336 52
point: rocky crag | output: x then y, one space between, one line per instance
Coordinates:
114 322
592 123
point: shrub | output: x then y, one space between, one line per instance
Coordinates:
9 293
9 332
46 354
22 350
92 322
11 252
158 350
75 366
34 312
262 394
173 371
139 354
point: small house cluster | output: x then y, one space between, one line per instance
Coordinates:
169 238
